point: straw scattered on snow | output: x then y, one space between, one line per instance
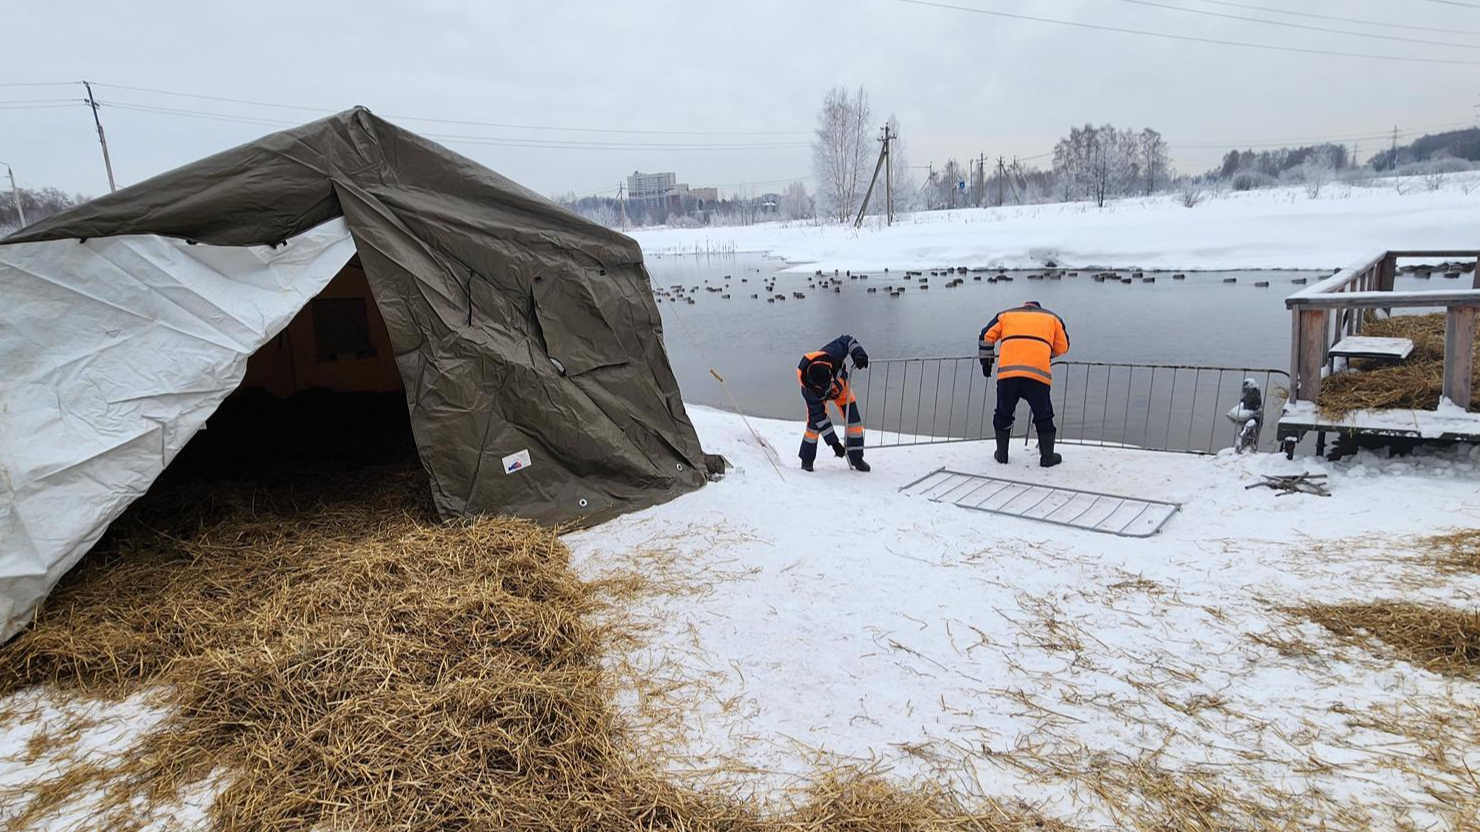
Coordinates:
1456 552
1437 638
349 664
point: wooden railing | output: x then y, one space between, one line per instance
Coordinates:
1324 313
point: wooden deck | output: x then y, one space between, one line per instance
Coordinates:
1326 328
1415 427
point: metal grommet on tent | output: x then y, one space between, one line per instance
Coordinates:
583 502
679 466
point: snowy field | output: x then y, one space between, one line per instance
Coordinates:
802 619
1280 228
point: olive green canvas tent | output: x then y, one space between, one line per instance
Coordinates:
527 339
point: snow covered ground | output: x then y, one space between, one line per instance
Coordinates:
1280 228
797 620
803 618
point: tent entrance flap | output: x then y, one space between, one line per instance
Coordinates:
338 342
141 337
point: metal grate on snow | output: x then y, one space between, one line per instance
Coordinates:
1089 510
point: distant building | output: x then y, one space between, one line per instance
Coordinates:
654 187
705 194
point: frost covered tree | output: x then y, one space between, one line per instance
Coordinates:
1316 171
943 190
38 204
1152 156
841 152
796 203
1103 162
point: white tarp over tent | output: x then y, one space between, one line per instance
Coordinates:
115 351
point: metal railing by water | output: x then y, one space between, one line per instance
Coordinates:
1160 407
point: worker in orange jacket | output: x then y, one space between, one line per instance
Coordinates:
1030 337
823 375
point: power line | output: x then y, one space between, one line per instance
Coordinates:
1188 38
502 141
1307 27
1316 140
750 182
39 106
226 117
493 141
505 125
1456 3
1350 20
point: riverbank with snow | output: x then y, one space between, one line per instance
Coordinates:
805 618
1279 228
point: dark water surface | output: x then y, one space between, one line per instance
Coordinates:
755 345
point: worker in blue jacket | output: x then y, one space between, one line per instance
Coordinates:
823 376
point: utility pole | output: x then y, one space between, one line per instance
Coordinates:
879 165
1001 179
102 139
981 173
16 194
888 177
622 200
1394 163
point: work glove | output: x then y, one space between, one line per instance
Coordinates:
860 359
986 368
837 448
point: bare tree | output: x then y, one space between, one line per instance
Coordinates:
1111 163
1103 162
947 186
796 204
1316 172
840 152
1152 155
38 204
1191 192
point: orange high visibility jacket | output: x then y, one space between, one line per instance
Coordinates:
1024 341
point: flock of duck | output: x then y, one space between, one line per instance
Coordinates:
955 276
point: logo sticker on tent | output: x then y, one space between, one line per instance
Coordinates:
517 462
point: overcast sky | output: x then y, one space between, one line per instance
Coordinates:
704 73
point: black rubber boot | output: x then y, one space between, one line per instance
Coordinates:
1003 437
806 465
855 461
1046 457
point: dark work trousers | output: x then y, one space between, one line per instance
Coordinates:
818 423
1010 390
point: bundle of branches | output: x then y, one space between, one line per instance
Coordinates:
1437 638
345 661
1416 383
